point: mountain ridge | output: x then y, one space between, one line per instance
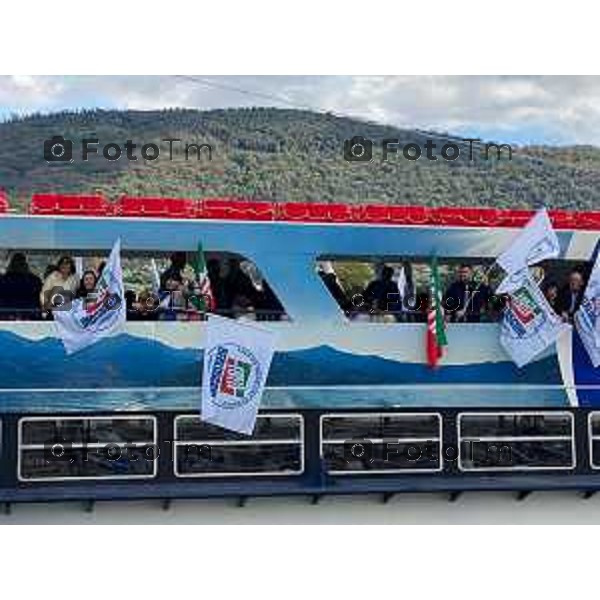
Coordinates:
287 155
130 361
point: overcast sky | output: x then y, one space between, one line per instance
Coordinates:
548 110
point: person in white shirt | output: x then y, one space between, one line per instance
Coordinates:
60 286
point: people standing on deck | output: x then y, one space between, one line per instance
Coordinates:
240 289
19 290
60 285
176 268
87 284
464 300
571 295
382 294
172 300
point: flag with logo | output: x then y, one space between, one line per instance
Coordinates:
206 300
97 316
529 325
436 327
537 241
586 318
237 358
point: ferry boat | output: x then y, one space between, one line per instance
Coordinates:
333 380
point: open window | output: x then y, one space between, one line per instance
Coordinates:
395 290
159 286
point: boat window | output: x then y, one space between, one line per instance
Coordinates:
203 450
519 441
159 286
594 436
395 290
66 448
381 443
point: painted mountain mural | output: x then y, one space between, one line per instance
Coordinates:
128 361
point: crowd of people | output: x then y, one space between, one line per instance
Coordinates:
565 300
466 299
239 290
25 296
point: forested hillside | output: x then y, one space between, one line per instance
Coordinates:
285 155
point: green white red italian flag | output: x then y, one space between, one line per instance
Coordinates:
436 327
207 301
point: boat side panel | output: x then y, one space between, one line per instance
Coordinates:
159 364
322 359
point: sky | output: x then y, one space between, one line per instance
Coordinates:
555 110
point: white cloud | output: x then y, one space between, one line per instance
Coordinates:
557 109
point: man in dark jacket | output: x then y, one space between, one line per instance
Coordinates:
19 291
382 294
464 300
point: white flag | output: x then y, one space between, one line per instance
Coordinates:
79 266
93 318
529 325
155 275
586 318
536 242
399 279
237 357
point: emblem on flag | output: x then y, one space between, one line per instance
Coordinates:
522 311
234 375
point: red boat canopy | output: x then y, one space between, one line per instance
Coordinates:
244 209
59 204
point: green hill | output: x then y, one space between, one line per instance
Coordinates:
285 155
